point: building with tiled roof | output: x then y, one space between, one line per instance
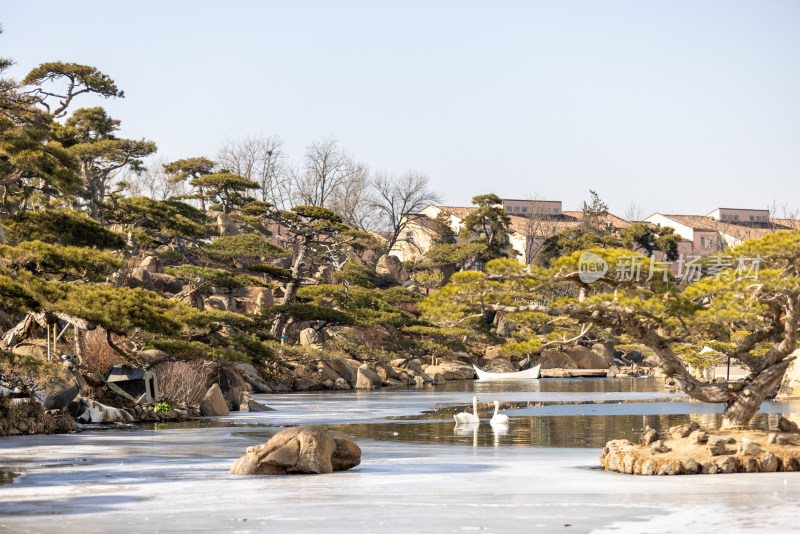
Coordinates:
722 228
529 228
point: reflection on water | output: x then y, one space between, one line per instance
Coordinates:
579 431
8 474
565 413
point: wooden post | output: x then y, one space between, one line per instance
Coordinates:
48 342
55 341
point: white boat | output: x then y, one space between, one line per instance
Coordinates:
527 374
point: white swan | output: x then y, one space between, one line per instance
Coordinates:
498 418
466 418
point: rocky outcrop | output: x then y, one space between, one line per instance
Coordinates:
250 375
20 416
165 283
250 299
391 268
367 378
311 336
214 403
499 365
140 278
302 449
452 370
217 302
347 369
577 357
703 452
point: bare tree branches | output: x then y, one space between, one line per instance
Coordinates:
262 160
398 197
326 168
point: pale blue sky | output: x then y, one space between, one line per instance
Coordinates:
680 106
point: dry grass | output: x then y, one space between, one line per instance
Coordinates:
97 353
182 381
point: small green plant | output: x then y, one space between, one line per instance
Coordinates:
162 407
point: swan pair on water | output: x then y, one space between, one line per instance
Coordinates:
466 418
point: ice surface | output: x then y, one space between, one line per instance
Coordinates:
177 480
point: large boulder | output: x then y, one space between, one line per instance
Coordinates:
311 336
366 378
301 449
605 350
376 336
347 369
217 302
214 403
165 283
250 375
140 278
387 372
250 299
151 264
585 358
497 365
231 384
391 268
453 370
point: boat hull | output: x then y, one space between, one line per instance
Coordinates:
527 374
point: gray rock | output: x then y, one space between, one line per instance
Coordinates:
698 437
439 378
648 436
217 302
658 447
164 283
726 465
310 336
140 278
214 403
750 464
363 380
391 268
419 381
769 462
748 448
302 449
784 425
305 384
341 384
691 467
151 264
716 446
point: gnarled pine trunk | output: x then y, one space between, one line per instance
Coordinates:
745 403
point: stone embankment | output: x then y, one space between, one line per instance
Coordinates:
688 450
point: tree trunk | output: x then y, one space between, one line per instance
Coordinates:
78 334
744 405
294 284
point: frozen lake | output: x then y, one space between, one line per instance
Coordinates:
418 473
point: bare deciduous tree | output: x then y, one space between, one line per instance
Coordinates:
397 197
326 169
540 224
353 201
152 181
262 160
633 212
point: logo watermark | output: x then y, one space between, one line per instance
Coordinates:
635 268
591 267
